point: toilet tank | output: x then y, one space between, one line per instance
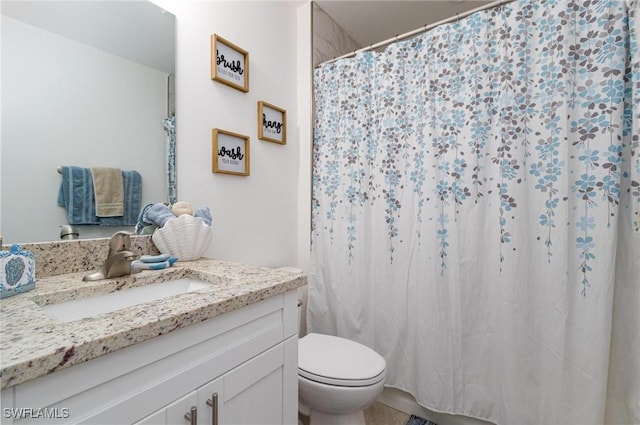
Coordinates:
302 305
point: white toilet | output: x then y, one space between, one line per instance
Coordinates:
337 379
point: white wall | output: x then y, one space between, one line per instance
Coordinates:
256 218
65 103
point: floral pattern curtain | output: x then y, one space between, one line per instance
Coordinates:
475 211
169 125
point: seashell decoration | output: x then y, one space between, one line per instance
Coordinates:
186 237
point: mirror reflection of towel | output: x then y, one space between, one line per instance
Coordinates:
108 189
76 195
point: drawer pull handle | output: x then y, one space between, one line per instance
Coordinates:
213 402
192 416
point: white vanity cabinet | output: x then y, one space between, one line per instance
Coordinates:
250 394
248 357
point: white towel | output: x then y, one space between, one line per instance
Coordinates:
108 188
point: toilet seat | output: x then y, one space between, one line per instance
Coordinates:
338 361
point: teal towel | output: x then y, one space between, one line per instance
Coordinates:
158 214
203 213
77 196
141 265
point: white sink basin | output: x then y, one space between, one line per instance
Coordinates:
69 311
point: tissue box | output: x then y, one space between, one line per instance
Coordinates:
17 271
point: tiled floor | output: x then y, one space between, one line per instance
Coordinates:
378 414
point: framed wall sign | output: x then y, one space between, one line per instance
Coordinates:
230 153
229 64
272 123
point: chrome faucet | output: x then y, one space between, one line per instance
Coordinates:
118 261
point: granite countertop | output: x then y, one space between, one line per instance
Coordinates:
34 344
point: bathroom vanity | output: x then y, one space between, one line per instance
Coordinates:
223 354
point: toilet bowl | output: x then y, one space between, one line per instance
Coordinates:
337 379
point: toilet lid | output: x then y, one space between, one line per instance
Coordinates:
339 361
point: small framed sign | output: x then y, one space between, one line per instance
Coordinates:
230 153
272 123
229 64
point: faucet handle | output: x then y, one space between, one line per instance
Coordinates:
120 241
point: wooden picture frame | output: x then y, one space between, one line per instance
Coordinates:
272 123
230 152
229 64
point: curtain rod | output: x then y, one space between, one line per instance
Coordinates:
418 30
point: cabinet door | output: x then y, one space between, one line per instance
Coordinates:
172 414
250 394
157 418
210 403
176 410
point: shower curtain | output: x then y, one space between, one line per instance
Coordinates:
475 212
169 125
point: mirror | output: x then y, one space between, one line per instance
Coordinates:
84 83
